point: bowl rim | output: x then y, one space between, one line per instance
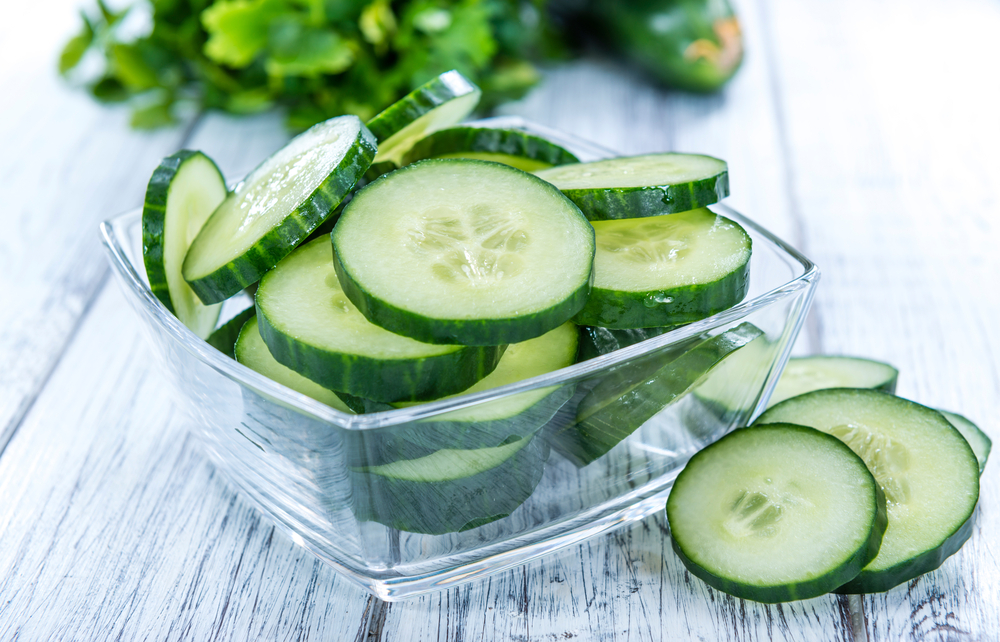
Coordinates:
244 376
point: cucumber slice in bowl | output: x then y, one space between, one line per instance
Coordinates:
440 102
310 326
518 149
776 513
928 472
224 339
637 186
182 193
805 374
666 270
464 252
277 206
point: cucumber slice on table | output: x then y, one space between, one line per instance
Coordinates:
310 326
633 393
464 252
277 206
441 102
805 374
928 472
978 441
776 513
636 186
509 146
666 270
182 193
252 352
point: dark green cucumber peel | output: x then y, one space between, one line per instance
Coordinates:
977 439
508 142
450 505
635 202
812 584
631 395
224 338
274 245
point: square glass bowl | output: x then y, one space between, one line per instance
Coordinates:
421 498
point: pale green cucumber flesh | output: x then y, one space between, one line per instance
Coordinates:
182 193
277 206
805 374
666 270
441 102
638 186
978 441
776 513
518 149
251 351
464 252
927 470
310 325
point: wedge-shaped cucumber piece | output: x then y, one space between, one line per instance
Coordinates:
978 441
927 470
182 193
464 251
636 186
310 326
450 490
440 102
776 513
805 374
632 394
666 270
508 146
277 206
252 352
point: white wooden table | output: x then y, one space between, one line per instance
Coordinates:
864 132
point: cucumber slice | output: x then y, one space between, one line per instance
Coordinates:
805 374
438 103
449 490
595 341
666 270
632 394
183 192
508 146
463 251
776 513
978 441
277 206
928 472
251 351
636 186
310 326
224 339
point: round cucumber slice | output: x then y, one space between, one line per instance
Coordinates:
310 326
776 513
251 351
978 441
183 192
928 472
440 102
508 146
666 270
464 252
805 374
277 206
637 186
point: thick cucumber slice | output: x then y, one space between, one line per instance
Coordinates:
636 186
776 513
277 206
309 325
463 251
595 341
450 490
252 352
224 339
978 441
666 270
928 472
805 374
182 193
632 394
511 147
438 103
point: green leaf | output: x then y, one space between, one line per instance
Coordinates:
154 114
109 90
300 50
251 101
77 46
111 18
377 23
238 29
132 69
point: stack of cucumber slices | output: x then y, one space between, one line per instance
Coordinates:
896 500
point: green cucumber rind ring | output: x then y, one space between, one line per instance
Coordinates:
510 142
602 204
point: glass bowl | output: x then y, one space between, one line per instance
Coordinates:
415 499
